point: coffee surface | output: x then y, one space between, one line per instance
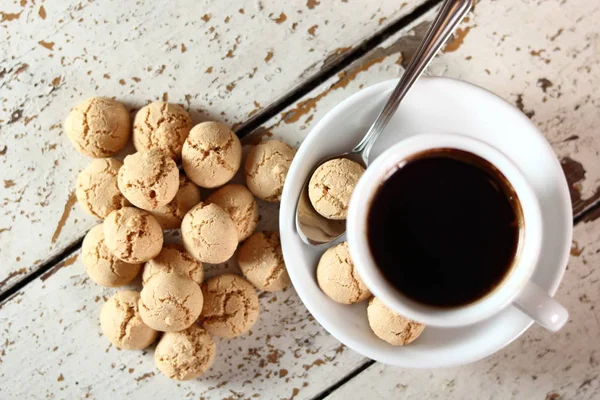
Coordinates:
444 228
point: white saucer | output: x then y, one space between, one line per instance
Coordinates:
438 105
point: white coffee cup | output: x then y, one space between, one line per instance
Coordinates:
515 289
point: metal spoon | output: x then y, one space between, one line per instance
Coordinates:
317 230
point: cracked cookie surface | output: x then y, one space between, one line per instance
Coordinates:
98 127
391 326
132 235
104 268
209 234
331 186
149 180
170 302
240 205
211 154
161 126
121 322
173 259
266 167
230 306
170 215
185 355
97 191
338 278
261 261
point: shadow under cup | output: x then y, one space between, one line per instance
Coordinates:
445 228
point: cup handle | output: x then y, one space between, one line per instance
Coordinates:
541 307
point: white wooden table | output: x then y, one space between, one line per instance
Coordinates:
271 68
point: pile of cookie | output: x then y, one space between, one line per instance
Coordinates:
330 189
146 194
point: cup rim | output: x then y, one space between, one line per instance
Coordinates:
505 293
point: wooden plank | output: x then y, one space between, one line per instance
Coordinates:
51 329
563 365
51 334
62 297
223 60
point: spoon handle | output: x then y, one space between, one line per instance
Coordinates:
450 15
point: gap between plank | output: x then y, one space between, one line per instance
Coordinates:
327 392
587 212
357 52
266 114
42 269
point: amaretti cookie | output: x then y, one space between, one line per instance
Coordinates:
161 126
211 154
230 306
132 235
266 167
261 261
104 268
338 278
149 179
240 205
97 190
98 127
121 322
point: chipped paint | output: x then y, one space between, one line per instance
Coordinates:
576 174
312 4
556 35
65 263
280 19
145 376
47 45
22 68
334 57
344 78
13 274
544 84
521 107
457 40
575 249
257 108
65 216
7 17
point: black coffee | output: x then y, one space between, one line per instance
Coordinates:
444 228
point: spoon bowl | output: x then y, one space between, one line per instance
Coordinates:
313 228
